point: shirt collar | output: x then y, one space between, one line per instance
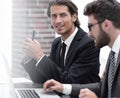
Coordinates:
70 38
116 45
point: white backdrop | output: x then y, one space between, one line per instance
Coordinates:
5 29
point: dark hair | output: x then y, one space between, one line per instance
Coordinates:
72 8
104 9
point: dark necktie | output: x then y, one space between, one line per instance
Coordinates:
111 72
62 54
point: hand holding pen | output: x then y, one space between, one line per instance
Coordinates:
33 47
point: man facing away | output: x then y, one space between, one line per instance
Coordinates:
81 60
104 28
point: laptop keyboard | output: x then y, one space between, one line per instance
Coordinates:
28 94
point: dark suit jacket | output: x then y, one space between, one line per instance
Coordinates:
101 89
81 66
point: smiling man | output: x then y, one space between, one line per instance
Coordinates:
80 63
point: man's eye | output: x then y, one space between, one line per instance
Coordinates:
53 16
63 15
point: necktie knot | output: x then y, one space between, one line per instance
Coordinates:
112 53
63 45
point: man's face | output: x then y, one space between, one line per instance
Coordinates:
61 20
100 37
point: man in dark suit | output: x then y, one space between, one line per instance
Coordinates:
81 60
104 28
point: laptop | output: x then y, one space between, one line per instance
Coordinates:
9 90
34 93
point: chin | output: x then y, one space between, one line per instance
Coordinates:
60 32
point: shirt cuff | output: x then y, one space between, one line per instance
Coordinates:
67 88
39 61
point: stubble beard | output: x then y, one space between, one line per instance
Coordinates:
103 39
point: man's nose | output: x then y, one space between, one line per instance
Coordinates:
58 19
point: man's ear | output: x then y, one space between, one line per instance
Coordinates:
74 17
106 25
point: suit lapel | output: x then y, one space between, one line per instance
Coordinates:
58 52
105 79
104 84
74 44
70 51
117 64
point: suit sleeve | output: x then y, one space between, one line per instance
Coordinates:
95 87
45 70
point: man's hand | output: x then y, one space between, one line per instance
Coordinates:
33 49
53 85
86 93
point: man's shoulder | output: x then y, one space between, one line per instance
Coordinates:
57 40
83 36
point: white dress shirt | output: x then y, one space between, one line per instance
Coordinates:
116 48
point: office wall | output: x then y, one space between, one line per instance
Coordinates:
5 30
29 15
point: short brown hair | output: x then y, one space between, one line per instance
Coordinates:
104 9
72 8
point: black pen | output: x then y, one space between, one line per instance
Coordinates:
33 35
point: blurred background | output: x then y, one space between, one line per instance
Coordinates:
19 18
